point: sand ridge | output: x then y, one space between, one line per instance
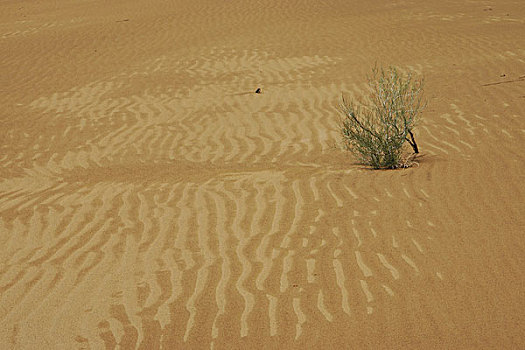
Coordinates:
150 199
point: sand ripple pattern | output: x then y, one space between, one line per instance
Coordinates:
164 204
220 258
196 216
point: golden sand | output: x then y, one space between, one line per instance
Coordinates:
150 199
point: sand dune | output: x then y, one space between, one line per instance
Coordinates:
150 199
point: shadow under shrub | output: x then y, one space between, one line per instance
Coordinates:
376 127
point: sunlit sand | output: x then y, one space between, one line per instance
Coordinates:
149 198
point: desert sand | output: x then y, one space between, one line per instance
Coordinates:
150 199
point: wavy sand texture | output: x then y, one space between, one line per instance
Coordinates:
149 199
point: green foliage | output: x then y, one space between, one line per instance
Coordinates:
376 128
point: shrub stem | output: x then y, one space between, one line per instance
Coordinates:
412 142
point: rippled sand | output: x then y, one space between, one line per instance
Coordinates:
150 199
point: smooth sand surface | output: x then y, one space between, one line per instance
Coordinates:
150 199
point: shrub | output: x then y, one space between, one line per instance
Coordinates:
376 128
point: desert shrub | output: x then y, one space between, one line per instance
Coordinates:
376 127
